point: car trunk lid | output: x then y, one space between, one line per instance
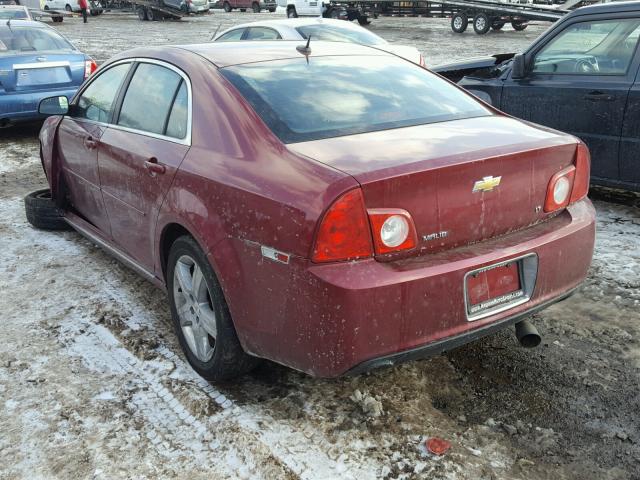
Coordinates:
462 181
41 71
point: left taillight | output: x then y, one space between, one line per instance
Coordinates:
571 183
90 66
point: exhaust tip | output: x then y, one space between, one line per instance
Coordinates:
527 334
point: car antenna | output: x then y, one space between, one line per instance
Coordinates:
305 49
214 33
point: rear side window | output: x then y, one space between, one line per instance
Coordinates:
335 96
333 33
231 36
149 98
97 100
261 33
177 122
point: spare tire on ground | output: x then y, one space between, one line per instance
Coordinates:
43 213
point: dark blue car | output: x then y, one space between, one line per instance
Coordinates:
36 62
582 76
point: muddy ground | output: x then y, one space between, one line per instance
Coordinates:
93 384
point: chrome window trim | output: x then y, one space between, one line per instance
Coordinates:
24 66
186 140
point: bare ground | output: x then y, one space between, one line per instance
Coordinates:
93 384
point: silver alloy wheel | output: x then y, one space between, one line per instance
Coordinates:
457 22
481 23
195 309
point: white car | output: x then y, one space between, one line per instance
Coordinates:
325 29
59 5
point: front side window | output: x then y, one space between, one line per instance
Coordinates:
149 98
96 102
261 33
332 33
604 47
232 36
345 95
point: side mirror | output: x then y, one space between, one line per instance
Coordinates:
518 69
54 106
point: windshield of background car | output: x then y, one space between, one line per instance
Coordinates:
13 14
332 33
16 39
336 96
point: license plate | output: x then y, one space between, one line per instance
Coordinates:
491 288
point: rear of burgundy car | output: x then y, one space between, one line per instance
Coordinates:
460 221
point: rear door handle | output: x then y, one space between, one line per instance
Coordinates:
90 143
154 167
599 97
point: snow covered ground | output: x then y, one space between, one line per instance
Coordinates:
93 384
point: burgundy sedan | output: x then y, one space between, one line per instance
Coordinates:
332 210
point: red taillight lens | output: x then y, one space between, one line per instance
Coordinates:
583 169
344 231
89 67
393 230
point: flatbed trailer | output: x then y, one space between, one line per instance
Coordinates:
154 10
484 14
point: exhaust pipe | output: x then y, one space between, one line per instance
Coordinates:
527 334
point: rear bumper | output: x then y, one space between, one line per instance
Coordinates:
22 107
348 317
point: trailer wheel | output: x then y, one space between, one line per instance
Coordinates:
255 7
497 25
481 23
519 25
56 19
152 15
271 10
363 20
142 14
459 22
291 12
226 6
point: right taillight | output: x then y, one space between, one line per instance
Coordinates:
344 232
393 230
571 183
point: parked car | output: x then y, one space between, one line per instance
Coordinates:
581 77
36 62
325 29
68 5
253 5
14 12
334 209
313 8
188 6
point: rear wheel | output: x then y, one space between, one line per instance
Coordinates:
42 212
334 13
291 12
497 24
56 19
459 22
152 15
481 23
255 7
519 25
201 316
68 8
226 6
271 10
142 14
363 20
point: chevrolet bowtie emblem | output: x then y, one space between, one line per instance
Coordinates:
486 184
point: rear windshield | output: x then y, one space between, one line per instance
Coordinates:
336 96
15 39
13 14
332 33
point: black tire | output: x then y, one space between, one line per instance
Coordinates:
363 20
291 12
459 22
43 213
226 6
334 13
255 6
271 10
228 359
142 14
519 26
243 9
481 23
152 15
68 8
56 19
497 25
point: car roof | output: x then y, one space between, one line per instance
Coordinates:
611 7
224 54
298 22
